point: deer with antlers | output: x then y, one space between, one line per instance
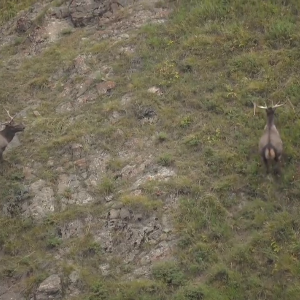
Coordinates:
8 133
270 143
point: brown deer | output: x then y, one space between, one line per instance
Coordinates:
8 133
270 144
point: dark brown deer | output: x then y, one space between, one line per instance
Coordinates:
270 144
8 133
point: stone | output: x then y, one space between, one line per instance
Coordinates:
14 143
76 149
114 7
80 64
138 217
50 163
108 14
72 229
126 99
72 289
109 198
81 163
114 214
62 184
7 294
74 277
104 87
85 86
36 113
59 12
124 214
155 90
104 268
50 288
80 198
43 201
28 173
23 24
85 12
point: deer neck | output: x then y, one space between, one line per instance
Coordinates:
270 122
8 134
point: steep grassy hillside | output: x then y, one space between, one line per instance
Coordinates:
239 230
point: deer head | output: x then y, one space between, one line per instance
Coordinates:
8 133
10 126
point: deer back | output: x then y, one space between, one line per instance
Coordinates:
271 136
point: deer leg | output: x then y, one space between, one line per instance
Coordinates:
277 168
266 164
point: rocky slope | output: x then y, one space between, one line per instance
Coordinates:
121 230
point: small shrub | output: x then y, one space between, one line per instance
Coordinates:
39 83
281 30
190 293
140 202
66 31
106 187
166 160
53 242
115 164
99 292
192 140
162 136
186 121
169 273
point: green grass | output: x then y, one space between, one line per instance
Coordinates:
9 8
238 229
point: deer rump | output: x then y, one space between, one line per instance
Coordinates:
270 144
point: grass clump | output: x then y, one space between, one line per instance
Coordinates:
166 160
141 203
162 137
106 186
9 8
168 273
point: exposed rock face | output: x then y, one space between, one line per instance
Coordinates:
23 24
85 12
43 201
7 294
136 237
50 288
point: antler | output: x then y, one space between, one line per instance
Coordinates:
263 107
11 118
277 105
273 106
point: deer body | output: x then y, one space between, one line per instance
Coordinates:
8 133
270 143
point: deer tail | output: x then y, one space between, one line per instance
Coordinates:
270 153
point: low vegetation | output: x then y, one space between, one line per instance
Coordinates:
239 229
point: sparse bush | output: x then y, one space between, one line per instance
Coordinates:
53 242
166 160
169 273
190 293
140 202
186 121
192 140
162 136
106 186
66 31
99 292
115 164
281 31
